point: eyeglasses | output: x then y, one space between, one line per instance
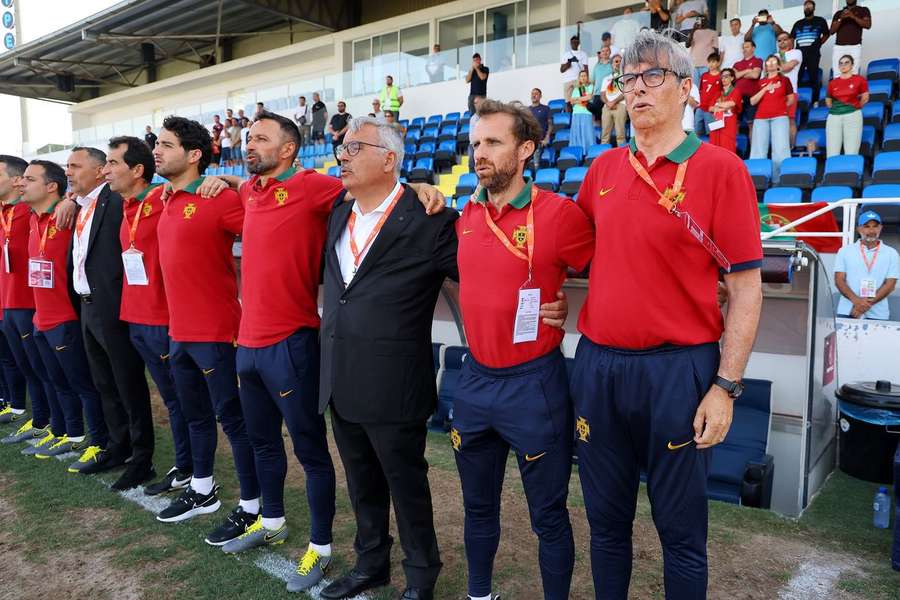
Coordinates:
352 148
844 62
654 77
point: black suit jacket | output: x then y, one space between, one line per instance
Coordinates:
103 264
377 364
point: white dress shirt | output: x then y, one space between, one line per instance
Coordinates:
361 230
80 242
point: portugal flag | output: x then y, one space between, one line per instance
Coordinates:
773 216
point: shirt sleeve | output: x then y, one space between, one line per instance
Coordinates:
231 216
325 190
863 85
840 261
893 271
446 244
788 88
735 222
588 190
574 236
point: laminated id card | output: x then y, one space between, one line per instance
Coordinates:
527 315
6 262
40 273
867 288
133 261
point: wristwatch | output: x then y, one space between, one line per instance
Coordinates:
734 388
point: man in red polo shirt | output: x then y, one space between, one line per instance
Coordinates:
129 169
515 243
195 252
747 72
650 389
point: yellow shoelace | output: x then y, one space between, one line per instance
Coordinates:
257 525
89 453
308 562
46 438
64 439
24 427
6 410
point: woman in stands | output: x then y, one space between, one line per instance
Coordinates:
847 93
725 114
582 127
771 126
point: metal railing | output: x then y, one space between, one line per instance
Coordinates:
848 230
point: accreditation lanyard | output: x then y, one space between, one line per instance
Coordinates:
84 216
132 228
670 199
47 227
529 234
866 262
351 223
6 219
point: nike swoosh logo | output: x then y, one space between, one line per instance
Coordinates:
606 191
269 538
163 356
25 337
534 458
672 446
208 371
286 394
467 231
61 348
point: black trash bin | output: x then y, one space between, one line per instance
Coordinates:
869 429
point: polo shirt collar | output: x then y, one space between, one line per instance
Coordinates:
49 210
286 175
193 186
680 153
143 194
519 202
14 201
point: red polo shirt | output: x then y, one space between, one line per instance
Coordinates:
490 276
53 306
651 282
144 304
847 91
747 85
710 89
285 227
195 252
14 285
774 104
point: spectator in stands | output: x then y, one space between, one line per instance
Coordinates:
225 144
710 90
581 131
731 46
390 119
236 143
241 115
217 126
847 93
606 42
477 79
866 273
541 112
260 107
216 148
377 113
573 62
625 29
435 65
770 124
791 59
847 26
747 72
472 120
149 137
762 32
391 96
687 14
245 132
601 71
692 103
660 18
809 34
725 111
702 42
319 118
229 114
614 111
338 126
303 118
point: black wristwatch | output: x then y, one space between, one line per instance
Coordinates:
734 388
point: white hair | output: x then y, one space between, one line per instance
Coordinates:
652 48
388 135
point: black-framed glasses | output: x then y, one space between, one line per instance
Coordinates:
352 148
654 77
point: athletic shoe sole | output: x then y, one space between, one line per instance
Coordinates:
200 510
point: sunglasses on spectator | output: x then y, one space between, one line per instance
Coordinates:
654 77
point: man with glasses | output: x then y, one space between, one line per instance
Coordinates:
650 391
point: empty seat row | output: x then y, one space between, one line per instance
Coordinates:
844 169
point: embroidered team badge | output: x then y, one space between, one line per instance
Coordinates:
190 210
148 208
583 429
51 232
520 236
281 196
455 439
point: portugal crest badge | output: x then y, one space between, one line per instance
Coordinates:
583 429
455 439
520 236
148 208
190 210
281 196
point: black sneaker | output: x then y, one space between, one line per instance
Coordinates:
235 525
104 461
174 480
134 475
190 504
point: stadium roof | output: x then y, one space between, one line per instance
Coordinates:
122 46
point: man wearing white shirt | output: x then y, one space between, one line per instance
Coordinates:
693 101
303 119
574 61
865 273
686 14
791 59
731 45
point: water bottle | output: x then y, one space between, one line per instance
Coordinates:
882 509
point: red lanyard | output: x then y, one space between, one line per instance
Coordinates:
43 243
357 253
671 198
6 220
84 215
862 252
133 227
529 233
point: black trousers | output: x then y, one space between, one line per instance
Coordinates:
810 65
118 373
385 461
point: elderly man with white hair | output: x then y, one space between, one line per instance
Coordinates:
652 390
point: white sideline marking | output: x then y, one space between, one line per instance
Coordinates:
812 580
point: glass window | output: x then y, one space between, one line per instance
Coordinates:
457 44
362 61
385 60
543 33
500 47
413 56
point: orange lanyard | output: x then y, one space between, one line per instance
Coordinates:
529 233
43 243
358 253
84 215
133 228
868 264
670 199
6 220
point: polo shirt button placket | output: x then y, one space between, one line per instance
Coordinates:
343 301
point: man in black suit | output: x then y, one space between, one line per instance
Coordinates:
116 367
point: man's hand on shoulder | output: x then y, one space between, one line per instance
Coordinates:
430 197
212 187
65 211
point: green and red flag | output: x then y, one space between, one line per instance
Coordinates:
774 216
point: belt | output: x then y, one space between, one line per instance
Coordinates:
86 298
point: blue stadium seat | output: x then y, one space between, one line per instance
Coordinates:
422 171
418 122
448 132
557 105
798 172
867 145
450 119
547 179
873 114
883 68
881 90
743 145
466 184
561 120
448 384
461 201
308 163
804 99
831 193
890 213
817 117
406 167
594 151
845 169
895 111
334 171
404 123
547 158
886 168
760 172
434 120
741 469
412 136
891 140
560 139
445 154
571 182
805 78
429 134
409 149
783 195
426 150
570 156
462 135
804 135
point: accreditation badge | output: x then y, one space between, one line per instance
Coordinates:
527 315
6 262
40 273
133 261
867 288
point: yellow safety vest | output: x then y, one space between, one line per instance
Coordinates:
391 103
